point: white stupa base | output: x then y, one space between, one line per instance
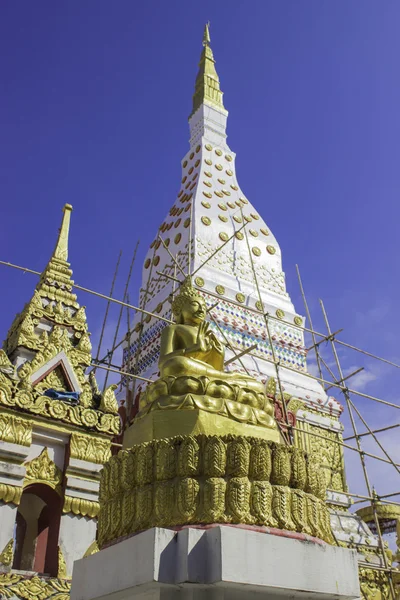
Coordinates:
220 562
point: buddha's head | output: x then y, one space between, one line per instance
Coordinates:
188 306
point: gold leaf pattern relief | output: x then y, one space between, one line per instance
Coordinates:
260 460
261 503
144 464
209 479
238 498
90 448
128 511
280 465
238 457
214 457
164 501
299 511
299 469
144 505
15 430
188 457
187 498
165 460
127 470
281 505
214 499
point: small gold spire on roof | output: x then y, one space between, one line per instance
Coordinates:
207 90
61 249
206 34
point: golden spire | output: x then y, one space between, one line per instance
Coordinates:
61 249
207 89
54 287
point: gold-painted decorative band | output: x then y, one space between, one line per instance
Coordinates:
10 493
80 506
212 479
60 411
15 430
17 586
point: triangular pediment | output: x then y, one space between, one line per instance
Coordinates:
58 369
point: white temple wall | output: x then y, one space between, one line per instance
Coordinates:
8 513
76 535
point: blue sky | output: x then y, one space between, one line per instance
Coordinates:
94 111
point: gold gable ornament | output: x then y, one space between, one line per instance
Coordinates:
43 470
6 556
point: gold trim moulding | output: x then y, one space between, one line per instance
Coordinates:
42 406
159 424
81 506
13 585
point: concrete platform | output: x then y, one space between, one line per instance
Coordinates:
217 563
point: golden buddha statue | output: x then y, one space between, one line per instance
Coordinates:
192 371
191 348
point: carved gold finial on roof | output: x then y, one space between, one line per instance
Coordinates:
206 34
207 90
61 249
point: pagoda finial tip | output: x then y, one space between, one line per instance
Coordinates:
61 249
206 34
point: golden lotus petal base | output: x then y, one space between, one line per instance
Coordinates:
203 479
170 422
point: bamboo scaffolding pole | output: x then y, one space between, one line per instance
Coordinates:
98 294
327 338
346 378
171 255
374 436
130 398
389 496
124 373
218 249
228 344
146 312
108 307
237 356
382 429
190 237
231 301
361 452
309 320
271 342
121 310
